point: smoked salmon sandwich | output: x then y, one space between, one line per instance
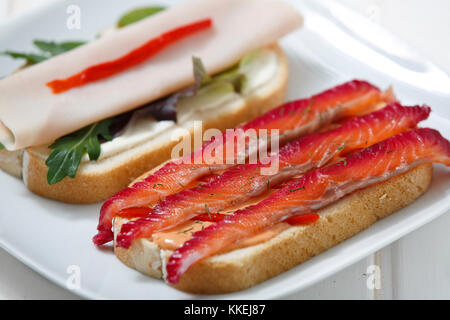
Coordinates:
348 157
80 120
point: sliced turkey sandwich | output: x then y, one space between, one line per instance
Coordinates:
80 121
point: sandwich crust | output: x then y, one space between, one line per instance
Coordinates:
242 268
11 162
113 174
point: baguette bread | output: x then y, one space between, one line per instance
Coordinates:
107 176
242 268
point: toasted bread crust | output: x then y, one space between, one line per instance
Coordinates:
97 185
243 268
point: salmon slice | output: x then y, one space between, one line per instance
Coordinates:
292 119
243 182
314 190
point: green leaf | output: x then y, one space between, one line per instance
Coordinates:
137 15
2 146
54 48
48 50
200 75
235 77
31 58
68 151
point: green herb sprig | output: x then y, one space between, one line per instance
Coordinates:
47 50
296 189
30 58
68 151
53 48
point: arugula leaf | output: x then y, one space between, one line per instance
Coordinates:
48 50
2 146
68 151
31 58
137 15
54 48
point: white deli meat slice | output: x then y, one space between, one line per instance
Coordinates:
30 114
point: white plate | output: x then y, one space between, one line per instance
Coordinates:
49 236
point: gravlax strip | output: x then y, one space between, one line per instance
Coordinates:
242 182
292 120
314 190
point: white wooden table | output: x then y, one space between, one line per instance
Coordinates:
415 267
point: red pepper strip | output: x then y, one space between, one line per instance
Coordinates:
302 219
131 59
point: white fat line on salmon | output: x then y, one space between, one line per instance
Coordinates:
236 146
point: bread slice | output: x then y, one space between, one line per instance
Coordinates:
242 268
98 180
11 162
